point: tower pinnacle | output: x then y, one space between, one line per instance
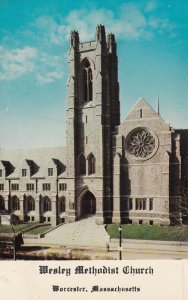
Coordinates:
74 38
100 33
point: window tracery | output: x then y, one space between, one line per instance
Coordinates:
141 143
91 164
87 82
31 203
82 164
15 203
46 204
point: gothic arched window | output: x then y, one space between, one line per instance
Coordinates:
31 203
82 164
15 203
87 82
62 204
46 204
91 164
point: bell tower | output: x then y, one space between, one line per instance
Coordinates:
93 112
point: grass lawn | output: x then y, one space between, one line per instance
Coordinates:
20 227
17 227
40 229
148 232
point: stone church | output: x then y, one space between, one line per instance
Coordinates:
130 172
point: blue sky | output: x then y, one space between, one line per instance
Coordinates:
152 38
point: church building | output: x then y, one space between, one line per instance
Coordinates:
130 172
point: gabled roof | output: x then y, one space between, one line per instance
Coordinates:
144 108
60 166
9 168
143 115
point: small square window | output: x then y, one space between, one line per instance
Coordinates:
15 187
151 204
46 187
150 222
137 203
62 186
140 222
130 203
24 172
30 186
50 171
49 219
144 204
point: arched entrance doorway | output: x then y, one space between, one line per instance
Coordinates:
88 204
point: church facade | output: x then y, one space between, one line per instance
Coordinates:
130 172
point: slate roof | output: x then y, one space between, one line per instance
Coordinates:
36 159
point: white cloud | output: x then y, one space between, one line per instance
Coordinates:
130 22
51 70
150 6
16 62
48 28
49 77
85 21
160 25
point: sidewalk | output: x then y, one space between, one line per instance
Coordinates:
150 245
84 233
59 252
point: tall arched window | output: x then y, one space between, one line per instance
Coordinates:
2 203
82 164
90 85
61 204
15 203
87 82
91 164
46 204
30 203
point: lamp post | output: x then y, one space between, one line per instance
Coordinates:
120 248
14 239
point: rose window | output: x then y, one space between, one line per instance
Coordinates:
141 143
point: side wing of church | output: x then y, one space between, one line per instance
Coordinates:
150 167
133 172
